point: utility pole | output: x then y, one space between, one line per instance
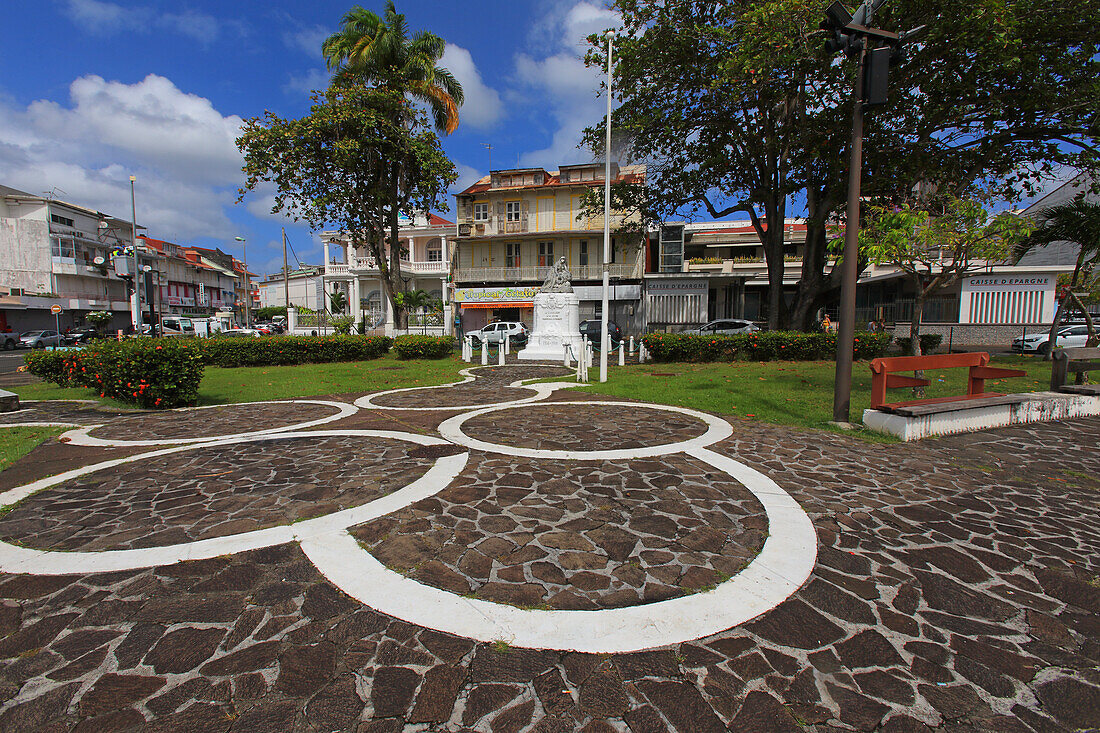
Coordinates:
247 287
875 50
137 267
286 276
604 338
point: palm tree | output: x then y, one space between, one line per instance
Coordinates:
378 52
1077 222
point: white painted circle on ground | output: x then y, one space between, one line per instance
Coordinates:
83 435
542 391
717 429
783 565
16 559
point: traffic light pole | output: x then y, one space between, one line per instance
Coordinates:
845 340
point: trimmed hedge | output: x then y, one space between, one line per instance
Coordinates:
760 346
929 342
151 373
287 350
415 346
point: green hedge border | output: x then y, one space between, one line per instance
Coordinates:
760 346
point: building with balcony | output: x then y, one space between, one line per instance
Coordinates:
187 282
514 225
56 253
304 286
426 255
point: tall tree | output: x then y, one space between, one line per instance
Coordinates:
936 249
1077 222
377 52
735 107
334 166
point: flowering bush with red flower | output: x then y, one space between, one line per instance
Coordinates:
152 373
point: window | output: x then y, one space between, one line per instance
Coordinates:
63 220
511 255
404 245
481 211
546 254
583 253
435 251
512 211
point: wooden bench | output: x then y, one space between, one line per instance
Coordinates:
884 376
1077 361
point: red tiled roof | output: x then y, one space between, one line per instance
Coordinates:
552 182
434 220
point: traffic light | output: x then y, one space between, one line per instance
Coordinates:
837 19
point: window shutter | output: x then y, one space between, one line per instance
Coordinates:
500 210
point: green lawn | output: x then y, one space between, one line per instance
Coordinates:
18 442
788 393
251 384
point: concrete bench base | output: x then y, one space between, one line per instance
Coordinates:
9 401
1011 410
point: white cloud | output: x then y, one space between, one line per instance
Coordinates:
310 81
467 176
559 78
107 18
181 149
307 40
482 108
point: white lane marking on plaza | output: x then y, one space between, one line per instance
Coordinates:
16 559
717 429
84 437
542 391
42 424
783 565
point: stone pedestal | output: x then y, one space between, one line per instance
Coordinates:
557 322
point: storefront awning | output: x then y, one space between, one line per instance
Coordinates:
501 304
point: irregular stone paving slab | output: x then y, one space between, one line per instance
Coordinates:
575 536
955 591
582 427
489 386
213 491
77 412
212 421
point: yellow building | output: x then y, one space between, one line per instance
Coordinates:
514 225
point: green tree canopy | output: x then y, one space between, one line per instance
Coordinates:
335 166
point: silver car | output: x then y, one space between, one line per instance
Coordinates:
39 339
1039 343
724 327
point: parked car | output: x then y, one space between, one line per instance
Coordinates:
724 327
81 335
1039 343
238 333
11 341
591 331
264 329
39 339
176 326
494 333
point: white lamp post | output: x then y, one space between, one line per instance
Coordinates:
137 269
604 339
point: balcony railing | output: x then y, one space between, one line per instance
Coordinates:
368 264
536 273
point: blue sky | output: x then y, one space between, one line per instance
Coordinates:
92 91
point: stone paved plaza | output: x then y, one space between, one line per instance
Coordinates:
437 561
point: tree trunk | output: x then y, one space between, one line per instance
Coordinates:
914 334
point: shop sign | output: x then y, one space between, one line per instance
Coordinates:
495 295
1009 282
676 287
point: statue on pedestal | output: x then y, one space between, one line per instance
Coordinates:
557 280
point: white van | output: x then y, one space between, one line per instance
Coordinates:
177 326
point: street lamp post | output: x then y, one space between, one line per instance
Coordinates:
247 286
136 304
604 339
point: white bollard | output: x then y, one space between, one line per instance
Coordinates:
632 346
466 351
502 349
591 354
565 355
484 353
507 343
643 355
622 354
